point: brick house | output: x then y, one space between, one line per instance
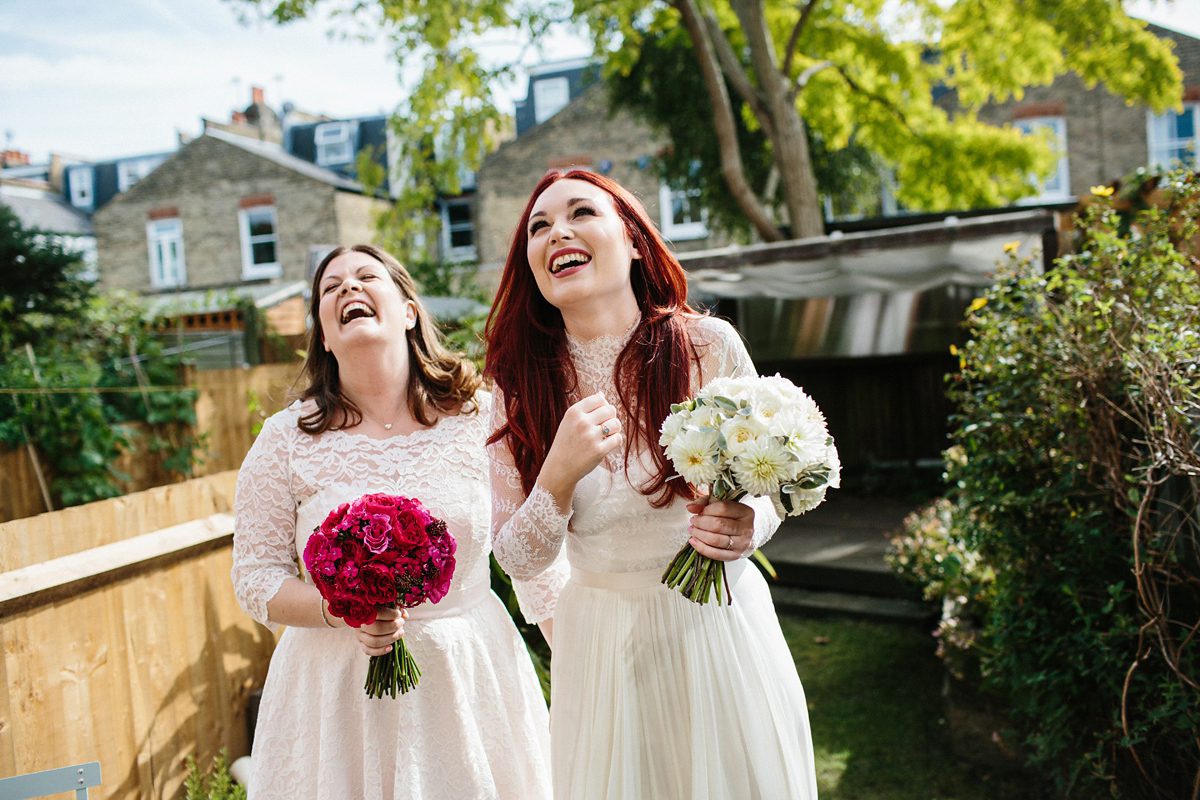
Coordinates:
234 218
1101 138
225 210
566 121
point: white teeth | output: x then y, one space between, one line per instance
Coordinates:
365 310
569 260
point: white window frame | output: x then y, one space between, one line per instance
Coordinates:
1157 146
690 229
1047 191
250 270
550 95
335 143
83 193
463 252
161 234
132 171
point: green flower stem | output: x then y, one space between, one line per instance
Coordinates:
396 671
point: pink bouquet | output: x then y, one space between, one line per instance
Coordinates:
381 551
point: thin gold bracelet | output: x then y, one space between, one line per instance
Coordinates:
327 622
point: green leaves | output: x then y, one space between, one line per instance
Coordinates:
1078 400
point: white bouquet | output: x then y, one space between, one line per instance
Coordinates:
747 436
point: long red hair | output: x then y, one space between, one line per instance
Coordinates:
527 347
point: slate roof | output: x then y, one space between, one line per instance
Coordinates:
276 153
45 211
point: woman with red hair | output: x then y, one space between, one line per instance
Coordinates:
590 341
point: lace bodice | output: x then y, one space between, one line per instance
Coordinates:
290 481
612 527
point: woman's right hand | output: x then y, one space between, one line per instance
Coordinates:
589 431
377 638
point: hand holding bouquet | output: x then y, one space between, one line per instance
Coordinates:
381 551
757 436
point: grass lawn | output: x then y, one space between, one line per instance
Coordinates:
875 707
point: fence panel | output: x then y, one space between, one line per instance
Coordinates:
223 416
133 652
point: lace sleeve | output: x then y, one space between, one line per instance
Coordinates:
527 532
723 354
265 526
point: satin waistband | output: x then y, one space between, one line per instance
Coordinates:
617 580
642 579
456 601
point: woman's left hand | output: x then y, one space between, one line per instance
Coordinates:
723 530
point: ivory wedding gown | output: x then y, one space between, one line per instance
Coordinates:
654 696
476 726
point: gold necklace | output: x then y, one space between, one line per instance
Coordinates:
387 426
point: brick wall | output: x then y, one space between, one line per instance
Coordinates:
205 184
583 133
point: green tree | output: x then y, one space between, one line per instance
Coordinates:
842 69
39 283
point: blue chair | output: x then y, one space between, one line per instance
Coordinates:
52 781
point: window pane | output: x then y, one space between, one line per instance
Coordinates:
462 238
261 223
263 252
458 214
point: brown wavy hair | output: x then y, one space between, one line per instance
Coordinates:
527 347
438 380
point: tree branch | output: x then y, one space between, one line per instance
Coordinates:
723 122
790 51
804 77
735 73
883 101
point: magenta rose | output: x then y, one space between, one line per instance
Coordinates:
376 536
379 583
353 608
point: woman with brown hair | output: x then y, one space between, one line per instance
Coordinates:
386 409
590 341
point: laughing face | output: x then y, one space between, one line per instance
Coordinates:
360 303
579 249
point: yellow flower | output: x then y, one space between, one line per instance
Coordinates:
1011 247
1102 191
953 350
976 304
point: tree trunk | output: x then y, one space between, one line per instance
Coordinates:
790 141
723 121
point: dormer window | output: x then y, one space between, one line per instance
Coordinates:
80 181
335 143
130 172
550 95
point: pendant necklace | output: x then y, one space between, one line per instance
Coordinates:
387 426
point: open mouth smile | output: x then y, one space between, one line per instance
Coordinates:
356 310
569 262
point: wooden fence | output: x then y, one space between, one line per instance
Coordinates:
122 641
224 418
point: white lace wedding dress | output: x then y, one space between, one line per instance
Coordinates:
476 726
654 697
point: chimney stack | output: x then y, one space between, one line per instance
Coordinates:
256 95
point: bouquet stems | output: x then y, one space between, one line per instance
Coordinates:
697 576
396 671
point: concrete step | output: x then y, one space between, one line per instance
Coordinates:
811 603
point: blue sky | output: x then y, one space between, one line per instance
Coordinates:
124 77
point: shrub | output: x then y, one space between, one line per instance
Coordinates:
1079 418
